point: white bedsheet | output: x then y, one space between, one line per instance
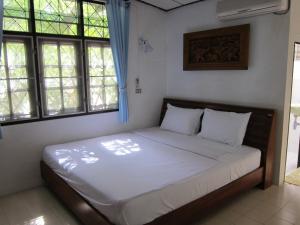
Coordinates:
133 178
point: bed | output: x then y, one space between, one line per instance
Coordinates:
153 176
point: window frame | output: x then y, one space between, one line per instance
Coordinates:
82 83
88 85
30 62
36 64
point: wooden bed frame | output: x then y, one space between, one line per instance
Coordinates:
260 134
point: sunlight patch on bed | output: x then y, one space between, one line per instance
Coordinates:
64 160
89 159
69 163
36 221
121 147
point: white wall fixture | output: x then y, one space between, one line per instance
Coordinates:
144 45
235 9
138 89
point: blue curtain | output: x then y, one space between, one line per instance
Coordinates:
1 36
118 24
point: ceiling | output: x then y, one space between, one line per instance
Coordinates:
167 5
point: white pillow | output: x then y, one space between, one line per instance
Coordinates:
182 120
225 127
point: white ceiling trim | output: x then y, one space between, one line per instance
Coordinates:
168 5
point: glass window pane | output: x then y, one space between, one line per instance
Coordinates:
53 101
2 67
67 53
56 16
69 71
17 83
51 71
21 103
110 81
50 55
94 72
109 69
52 83
4 104
95 20
103 88
19 72
96 81
3 86
70 82
96 99
16 15
62 90
95 56
111 96
16 56
71 99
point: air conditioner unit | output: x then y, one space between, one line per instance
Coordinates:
234 9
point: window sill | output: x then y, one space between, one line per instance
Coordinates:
55 117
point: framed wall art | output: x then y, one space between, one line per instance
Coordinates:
219 49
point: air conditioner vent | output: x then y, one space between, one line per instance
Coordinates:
234 9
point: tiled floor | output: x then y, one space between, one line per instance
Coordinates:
275 206
34 207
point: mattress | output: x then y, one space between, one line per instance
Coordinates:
133 178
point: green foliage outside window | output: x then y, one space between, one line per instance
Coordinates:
60 60
56 16
95 20
16 15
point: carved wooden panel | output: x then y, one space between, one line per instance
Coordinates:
225 48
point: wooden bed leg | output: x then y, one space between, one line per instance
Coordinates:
268 158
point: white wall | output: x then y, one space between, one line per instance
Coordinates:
263 85
21 148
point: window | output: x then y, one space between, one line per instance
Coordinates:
17 83
95 20
61 76
16 15
103 91
56 16
56 61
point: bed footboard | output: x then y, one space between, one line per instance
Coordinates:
184 215
86 213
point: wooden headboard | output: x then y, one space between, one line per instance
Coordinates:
260 131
